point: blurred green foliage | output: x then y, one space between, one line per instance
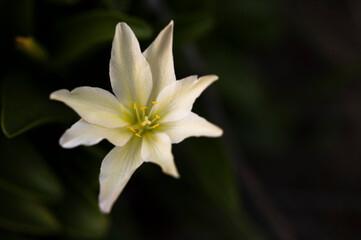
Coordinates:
51 193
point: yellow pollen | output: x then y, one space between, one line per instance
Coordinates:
157 116
131 129
136 134
135 106
142 108
154 102
155 125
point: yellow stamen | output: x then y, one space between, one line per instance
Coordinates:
155 125
135 106
142 108
157 116
136 134
154 102
131 129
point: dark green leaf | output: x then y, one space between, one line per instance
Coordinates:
24 106
122 5
192 26
17 17
10 235
64 2
20 215
82 33
25 173
82 219
215 172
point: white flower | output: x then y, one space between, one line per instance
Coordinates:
149 112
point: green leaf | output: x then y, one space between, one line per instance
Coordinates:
79 212
215 172
192 26
82 33
204 201
23 171
81 218
20 215
64 2
10 235
24 106
17 18
122 6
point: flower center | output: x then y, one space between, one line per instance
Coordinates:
143 122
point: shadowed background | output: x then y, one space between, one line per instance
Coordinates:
288 99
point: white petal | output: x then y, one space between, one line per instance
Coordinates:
130 73
95 105
157 149
84 133
116 170
160 58
176 100
191 126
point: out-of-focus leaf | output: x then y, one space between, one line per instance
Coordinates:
24 106
215 172
192 26
24 216
24 172
260 123
254 23
82 33
9 235
82 219
199 211
122 5
16 17
64 2
79 211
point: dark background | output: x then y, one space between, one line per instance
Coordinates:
288 99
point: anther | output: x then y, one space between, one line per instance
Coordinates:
131 129
135 106
142 108
154 102
155 125
136 134
157 116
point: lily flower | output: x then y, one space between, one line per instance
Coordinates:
148 112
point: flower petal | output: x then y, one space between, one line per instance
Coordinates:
84 133
130 73
160 58
191 126
157 148
176 100
95 105
116 170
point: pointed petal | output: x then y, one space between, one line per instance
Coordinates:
160 58
157 149
116 170
176 100
84 133
191 126
95 105
130 73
